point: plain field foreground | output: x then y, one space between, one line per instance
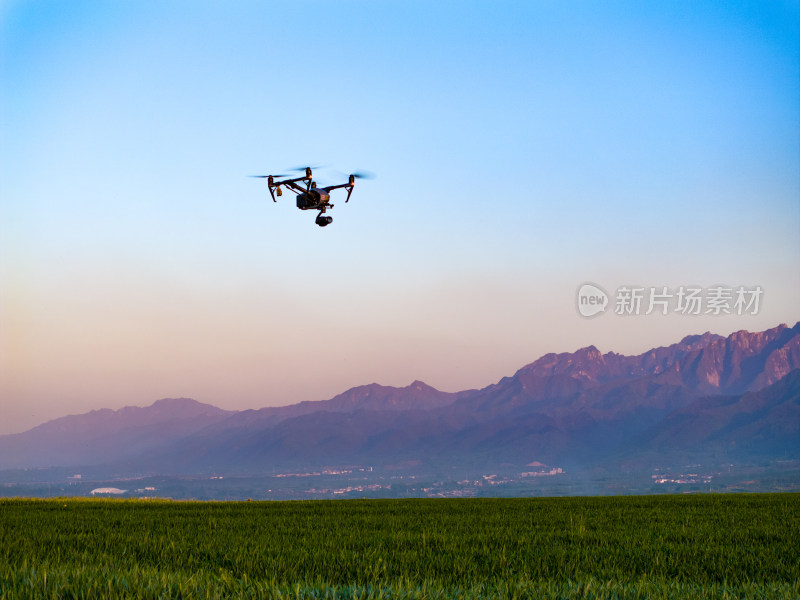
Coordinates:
700 546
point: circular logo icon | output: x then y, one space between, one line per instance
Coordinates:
592 300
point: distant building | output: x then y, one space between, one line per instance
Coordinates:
108 490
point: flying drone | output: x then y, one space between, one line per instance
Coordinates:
309 196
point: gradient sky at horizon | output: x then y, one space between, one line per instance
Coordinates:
521 149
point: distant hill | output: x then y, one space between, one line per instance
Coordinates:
103 436
707 395
758 424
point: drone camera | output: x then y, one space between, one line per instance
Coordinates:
324 221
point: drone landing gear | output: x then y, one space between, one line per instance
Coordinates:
323 221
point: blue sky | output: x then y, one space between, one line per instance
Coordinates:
521 149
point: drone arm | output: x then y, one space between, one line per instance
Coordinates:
297 189
347 186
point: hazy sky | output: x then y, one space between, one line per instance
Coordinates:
521 149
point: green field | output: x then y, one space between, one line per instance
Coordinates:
699 546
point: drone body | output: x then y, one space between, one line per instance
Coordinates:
309 196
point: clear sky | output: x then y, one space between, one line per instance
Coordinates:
521 149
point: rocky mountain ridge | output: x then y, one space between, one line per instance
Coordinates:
570 408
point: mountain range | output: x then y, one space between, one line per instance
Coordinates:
705 397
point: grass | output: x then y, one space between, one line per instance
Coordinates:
700 546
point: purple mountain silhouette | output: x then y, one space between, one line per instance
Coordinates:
106 435
706 393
